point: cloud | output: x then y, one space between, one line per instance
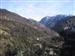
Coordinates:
37 10
42 8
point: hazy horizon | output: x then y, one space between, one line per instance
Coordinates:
37 9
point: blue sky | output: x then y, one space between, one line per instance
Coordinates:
37 9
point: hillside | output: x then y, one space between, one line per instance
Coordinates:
22 37
68 48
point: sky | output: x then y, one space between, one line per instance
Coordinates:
37 9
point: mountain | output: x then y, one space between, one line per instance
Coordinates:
51 21
20 36
55 22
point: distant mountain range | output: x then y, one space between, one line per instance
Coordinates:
20 36
57 22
